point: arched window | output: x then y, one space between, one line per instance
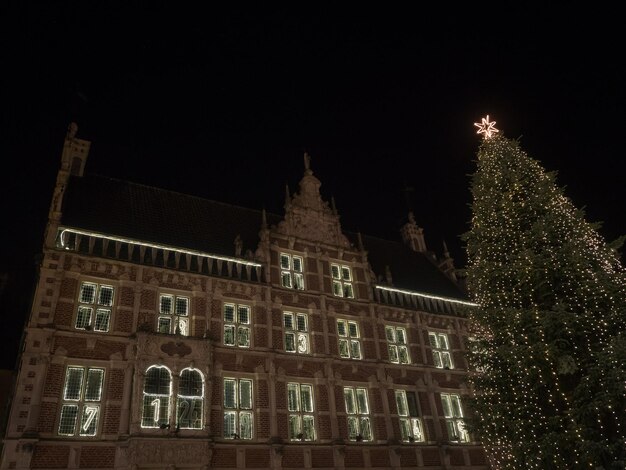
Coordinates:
190 399
157 390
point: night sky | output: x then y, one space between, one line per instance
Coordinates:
222 104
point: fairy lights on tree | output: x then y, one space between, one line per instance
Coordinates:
549 335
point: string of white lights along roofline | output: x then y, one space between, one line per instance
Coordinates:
226 258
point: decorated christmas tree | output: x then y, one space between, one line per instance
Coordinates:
548 339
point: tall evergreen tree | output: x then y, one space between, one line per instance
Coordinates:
549 338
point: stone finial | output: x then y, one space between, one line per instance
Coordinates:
412 235
238 246
388 277
333 205
263 219
359 240
307 162
287 196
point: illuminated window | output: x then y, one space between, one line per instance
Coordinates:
296 332
237 325
94 297
291 271
357 407
157 390
157 393
80 411
349 339
238 409
441 350
453 413
342 281
411 429
174 315
300 405
190 399
397 345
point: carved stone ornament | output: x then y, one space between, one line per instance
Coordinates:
308 217
154 345
142 452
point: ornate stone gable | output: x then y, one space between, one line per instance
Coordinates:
308 217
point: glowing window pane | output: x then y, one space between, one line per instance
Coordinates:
230 426
341 328
67 423
334 268
286 279
83 317
288 320
297 264
293 403
229 335
93 388
157 381
229 313
306 392
105 296
243 312
103 319
345 273
361 399
243 337
87 293
245 394
165 325
390 332
298 281
73 383
301 322
182 306
190 383
230 393
348 394
89 420
353 330
167 302
290 342
245 425
285 261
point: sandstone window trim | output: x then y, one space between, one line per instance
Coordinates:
238 403
301 408
174 315
81 401
342 280
358 414
297 339
237 325
440 347
453 414
397 344
291 271
411 425
95 306
349 339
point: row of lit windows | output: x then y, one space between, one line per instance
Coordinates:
82 395
292 275
174 319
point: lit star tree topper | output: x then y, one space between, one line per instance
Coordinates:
486 128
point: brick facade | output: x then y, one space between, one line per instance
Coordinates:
133 427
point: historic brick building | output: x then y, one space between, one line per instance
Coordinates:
169 331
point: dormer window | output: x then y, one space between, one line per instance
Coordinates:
292 271
342 281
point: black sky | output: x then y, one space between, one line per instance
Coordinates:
223 103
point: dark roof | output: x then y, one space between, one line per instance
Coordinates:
140 212
410 270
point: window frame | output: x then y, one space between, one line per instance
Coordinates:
299 415
393 344
342 285
81 404
349 340
163 407
94 310
296 333
454 418
290 276
237 411
174 317
170 401
409 419
236 326
195 399
356 415
440 353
